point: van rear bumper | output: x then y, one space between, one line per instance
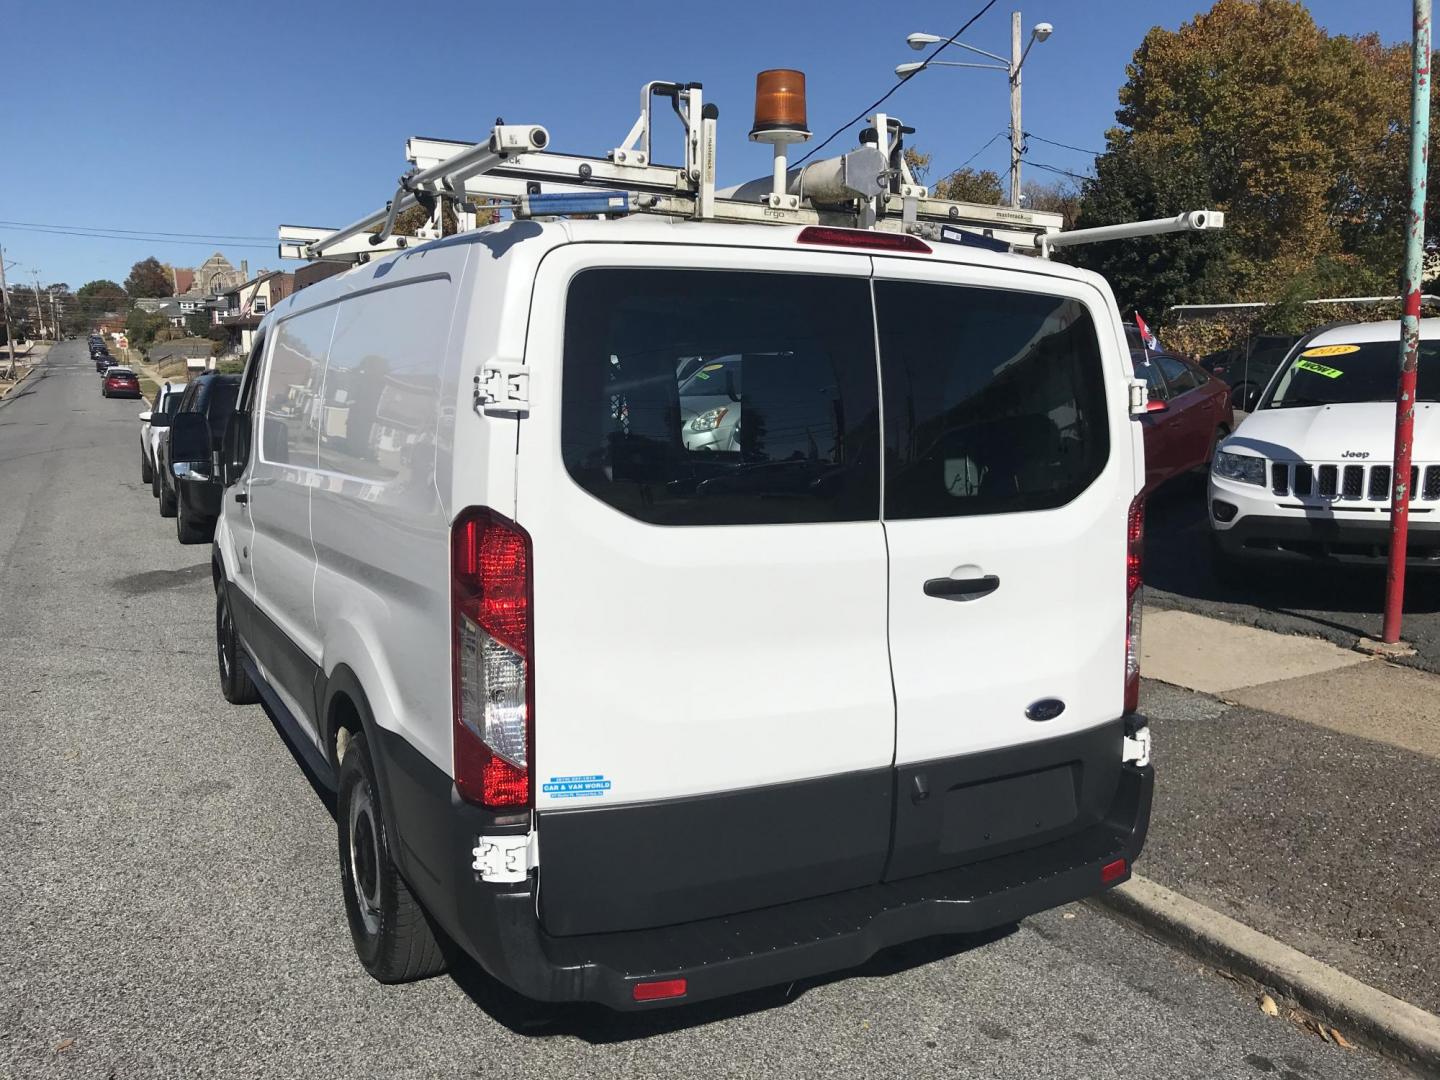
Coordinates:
499 925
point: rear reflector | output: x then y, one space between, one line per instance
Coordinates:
659 991
1134 551
862 238
1112 871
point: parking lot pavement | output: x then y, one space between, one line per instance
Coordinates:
1342 605
172 902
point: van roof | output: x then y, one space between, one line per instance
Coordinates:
645 229
1386 330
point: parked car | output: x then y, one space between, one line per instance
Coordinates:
710 405
167 398
1188 414
120 382
491 617
1247 368
103 362
1307 478
189 489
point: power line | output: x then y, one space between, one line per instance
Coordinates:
138 239
886 96
988 143
145 232
1063 146
1056 169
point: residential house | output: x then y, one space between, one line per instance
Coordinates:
243 306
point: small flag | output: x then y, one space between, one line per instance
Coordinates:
1151 342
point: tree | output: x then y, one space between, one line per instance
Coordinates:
1298 135
149 279
141 326
1058 198
967 185
97 298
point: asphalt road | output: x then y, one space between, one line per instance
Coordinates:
1342 605
172 904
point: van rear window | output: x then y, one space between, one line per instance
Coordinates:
711 397
994 400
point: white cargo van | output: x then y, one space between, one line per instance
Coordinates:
638 720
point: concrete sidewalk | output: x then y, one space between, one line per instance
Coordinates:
1298 792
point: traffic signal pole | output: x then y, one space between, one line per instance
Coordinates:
1410 323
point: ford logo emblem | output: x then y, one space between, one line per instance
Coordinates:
1045 709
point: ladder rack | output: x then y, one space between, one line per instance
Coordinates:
869 187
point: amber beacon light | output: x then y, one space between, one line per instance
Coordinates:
780 121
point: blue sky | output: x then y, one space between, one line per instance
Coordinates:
233 118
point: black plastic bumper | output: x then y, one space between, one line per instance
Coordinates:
1338 539
499 925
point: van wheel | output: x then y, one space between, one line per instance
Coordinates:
186 531
167 503
234 683
392 933
155 483
147 474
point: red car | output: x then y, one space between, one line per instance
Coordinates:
1189 413
120 382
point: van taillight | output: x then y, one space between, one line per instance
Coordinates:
1134 549
493 674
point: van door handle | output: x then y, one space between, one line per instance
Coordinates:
948 588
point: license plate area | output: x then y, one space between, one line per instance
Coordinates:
961 810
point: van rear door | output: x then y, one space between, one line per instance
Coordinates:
1008 479
699 473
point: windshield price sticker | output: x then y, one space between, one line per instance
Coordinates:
1331 350
1319 369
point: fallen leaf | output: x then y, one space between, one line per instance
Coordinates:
1068 915
1268 1006
64 1045
1340 1040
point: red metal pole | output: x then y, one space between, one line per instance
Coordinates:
1409 323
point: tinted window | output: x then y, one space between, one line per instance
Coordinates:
1340 374
698 397
994 401
1146 368
382 382
292 387
1177 374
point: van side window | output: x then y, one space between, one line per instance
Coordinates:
697 397
292 388
383 379
994 400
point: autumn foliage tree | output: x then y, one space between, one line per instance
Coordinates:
1300 136
148 278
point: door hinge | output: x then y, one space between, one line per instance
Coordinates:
1139 396
505 859
1137 748
503 386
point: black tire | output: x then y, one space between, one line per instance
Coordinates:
392 934
147 474
234 683
167 502
187 531
155 483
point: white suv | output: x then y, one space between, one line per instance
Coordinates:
638 721
1307 477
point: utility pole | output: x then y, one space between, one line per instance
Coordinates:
9 334
1409 324
1017 134
39 312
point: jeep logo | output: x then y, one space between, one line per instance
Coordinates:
1356 454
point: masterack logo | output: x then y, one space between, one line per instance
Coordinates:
1355 454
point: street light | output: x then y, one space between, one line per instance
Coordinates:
1011 67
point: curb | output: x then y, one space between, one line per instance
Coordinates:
1376 1019
23 379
